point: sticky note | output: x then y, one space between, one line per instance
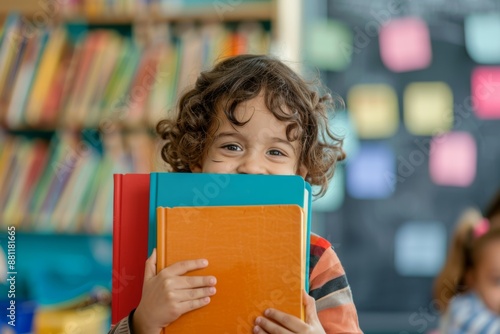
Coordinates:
428 108
374 109
369 174
405 44
334 196
452 160
482 41
420 248
328 45
485 85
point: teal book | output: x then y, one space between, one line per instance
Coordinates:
204 189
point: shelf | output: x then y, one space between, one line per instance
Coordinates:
56 234
259 11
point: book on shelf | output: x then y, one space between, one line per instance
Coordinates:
64 185
53 79
49 61
255 252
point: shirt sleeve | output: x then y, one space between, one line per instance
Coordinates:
330 289
123 326
467 314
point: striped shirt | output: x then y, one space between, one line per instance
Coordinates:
467 314
328 286
330 289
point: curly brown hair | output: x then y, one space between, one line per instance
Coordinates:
242 78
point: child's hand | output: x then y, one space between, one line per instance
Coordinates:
277 322
168 295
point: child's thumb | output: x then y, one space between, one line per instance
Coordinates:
150 270
310 308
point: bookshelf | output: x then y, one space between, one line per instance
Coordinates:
261 11
93 114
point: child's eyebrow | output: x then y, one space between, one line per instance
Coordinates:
227 134
239 135
283 141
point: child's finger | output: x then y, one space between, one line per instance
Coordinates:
190 282
193 294
290 322
150 270
310 308
182 267
279 324
191 305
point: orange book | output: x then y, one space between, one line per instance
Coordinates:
255 252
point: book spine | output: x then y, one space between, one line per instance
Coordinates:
117 204
308 235
161 245
153 182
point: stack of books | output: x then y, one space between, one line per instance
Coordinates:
253 229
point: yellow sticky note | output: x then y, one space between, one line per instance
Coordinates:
374 108
428 108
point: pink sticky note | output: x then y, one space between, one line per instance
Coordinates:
485 84
405 44
452 159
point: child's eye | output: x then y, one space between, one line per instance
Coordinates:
276 153
232 147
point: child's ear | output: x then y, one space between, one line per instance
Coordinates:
195 168
302 171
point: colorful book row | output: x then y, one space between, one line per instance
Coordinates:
65 185
47 81
106 8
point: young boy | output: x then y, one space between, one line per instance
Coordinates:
253 115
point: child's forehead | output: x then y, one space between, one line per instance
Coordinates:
246 108
491 248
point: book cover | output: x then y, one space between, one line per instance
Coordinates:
25 156
12 187
130 237
41 152
24 82
104 70
55 97
46 70
255 252
205 189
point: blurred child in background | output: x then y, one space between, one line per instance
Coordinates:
468 287
493 211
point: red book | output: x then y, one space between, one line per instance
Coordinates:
130 242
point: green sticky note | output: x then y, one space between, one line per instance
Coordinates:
328 45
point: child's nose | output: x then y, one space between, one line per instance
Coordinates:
251 165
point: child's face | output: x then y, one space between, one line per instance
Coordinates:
258 147
486 277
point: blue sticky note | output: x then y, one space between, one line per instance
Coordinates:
481 37
420 248
370 172
334 196
342 125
